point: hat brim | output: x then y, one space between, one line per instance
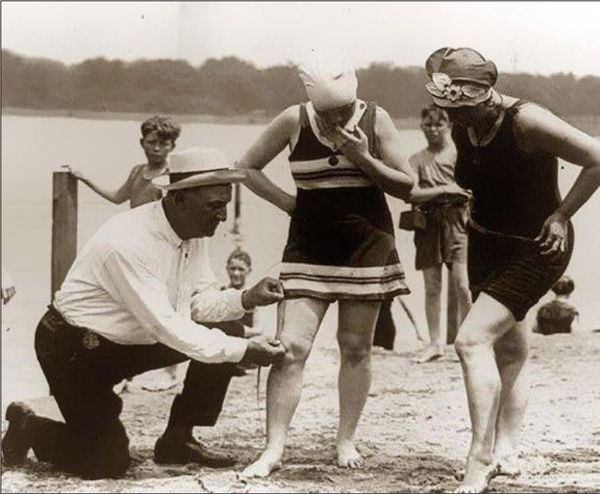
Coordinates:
210 178
445 103
459 103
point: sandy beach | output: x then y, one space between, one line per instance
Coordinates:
414 432
415 429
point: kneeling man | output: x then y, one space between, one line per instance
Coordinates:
141 295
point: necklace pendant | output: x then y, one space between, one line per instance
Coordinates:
333 160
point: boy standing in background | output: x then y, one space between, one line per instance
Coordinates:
159 134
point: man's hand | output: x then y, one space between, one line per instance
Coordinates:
263 350
266 291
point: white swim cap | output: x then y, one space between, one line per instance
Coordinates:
329 78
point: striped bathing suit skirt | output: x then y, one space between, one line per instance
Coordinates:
341 247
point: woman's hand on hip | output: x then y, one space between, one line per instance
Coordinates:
553 237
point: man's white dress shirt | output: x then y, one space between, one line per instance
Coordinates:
137 283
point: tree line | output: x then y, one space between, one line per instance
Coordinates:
230 86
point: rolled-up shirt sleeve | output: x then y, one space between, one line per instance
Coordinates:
132 283
211 304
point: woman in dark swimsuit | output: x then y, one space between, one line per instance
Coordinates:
520 239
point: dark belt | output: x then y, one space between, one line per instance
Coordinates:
87 338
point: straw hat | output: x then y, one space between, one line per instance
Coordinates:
196 167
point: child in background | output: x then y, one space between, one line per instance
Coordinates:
557 316
239 266
159 134
444 239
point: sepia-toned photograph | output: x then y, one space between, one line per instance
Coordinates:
300 247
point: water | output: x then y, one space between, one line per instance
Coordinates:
105 150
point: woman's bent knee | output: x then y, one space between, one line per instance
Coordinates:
512 353
467 348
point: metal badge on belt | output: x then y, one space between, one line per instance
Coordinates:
90 340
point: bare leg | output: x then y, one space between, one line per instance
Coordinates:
459 298
301 321
355 334
485 324
433 298
511 357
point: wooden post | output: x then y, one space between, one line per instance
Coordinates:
64 226
237 209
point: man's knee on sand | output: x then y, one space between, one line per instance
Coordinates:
101 453
111 464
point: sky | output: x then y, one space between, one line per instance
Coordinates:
535 37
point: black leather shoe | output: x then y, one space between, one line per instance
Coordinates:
176 451
15 444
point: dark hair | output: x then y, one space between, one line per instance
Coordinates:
434 112
564 286
242 255
165 127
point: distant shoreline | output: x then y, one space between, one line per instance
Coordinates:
251 119
589 124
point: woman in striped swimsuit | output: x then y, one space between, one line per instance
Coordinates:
344 156
520 240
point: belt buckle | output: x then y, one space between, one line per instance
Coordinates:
90 340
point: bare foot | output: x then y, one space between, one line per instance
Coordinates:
476 478
348 456
263 467
162 383
428 354
508 465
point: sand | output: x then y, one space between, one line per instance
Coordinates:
414 432
415 428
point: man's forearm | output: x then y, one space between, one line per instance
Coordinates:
214 305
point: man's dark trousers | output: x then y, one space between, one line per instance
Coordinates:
82 367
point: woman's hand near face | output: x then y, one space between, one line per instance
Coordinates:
354 145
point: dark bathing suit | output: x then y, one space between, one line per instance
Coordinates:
513 194
341 237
